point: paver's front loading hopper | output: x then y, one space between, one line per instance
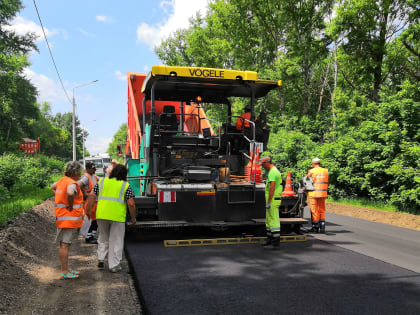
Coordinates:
189 171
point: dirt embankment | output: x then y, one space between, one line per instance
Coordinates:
29 273
400 219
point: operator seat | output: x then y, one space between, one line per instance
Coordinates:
168 120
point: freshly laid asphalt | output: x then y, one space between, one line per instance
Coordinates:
392 244
314 277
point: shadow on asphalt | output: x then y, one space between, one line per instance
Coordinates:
310 277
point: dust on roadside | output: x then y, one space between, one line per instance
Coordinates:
405 220
29 275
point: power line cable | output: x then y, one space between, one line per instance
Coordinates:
52 57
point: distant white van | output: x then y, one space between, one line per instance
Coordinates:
101 161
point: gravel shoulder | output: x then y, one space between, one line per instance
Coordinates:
405 220
29 275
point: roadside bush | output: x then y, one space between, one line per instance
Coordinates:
52 164
33 173
18 170
291 151
4 194
10 167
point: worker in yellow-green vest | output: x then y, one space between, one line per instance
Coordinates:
114 194
273 189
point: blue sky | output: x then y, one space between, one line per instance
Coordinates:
98 40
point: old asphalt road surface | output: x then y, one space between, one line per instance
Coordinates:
339 273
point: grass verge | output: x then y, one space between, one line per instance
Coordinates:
372 204
24 198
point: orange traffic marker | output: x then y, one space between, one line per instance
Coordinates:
288 191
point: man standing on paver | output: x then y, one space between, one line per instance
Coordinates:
273 189
317 197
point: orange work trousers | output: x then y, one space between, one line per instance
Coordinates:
317 206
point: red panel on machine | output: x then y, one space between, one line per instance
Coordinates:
135 109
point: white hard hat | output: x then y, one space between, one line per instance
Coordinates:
316 161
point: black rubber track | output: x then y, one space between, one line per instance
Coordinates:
314 277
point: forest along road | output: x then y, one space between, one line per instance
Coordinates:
313 277
391 244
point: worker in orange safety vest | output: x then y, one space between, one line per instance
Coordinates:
241 122
317 197
89 180
68 212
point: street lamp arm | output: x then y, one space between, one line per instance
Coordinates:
84 84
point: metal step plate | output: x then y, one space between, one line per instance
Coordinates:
230 241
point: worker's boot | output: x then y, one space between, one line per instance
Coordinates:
315 228
275 244
267 241
322 226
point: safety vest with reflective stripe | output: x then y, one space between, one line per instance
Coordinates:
111 204
240 123
92 182
320 178
64 217
93 179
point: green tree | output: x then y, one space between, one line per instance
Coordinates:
17 94
365 27
119 138
350 87
65 121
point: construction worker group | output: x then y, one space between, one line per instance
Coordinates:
273 189
103 201
106 200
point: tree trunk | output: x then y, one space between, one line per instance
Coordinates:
324 84
379 53
8 134
335 88
306 88
282 103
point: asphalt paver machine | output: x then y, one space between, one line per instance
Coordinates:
186 169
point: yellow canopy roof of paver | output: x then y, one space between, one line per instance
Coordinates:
205 73
213 85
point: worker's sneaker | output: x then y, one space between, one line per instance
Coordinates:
116 269
91 240
101 264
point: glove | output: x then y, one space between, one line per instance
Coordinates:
268 205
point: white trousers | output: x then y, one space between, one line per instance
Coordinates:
111 241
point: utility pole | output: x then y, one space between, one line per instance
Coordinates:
74 117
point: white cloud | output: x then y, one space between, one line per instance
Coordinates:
146 68
86 33
98 145
182 11
120 76
22 26
48 89
104 19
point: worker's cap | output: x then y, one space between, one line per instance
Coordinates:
90 165
316 161
266 159
114 161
